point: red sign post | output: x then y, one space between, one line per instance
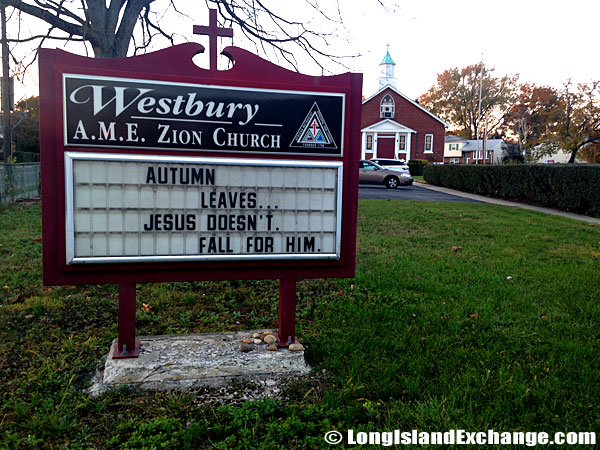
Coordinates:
154 169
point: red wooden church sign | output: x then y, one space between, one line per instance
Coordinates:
156 170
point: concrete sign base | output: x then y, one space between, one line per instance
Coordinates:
179 362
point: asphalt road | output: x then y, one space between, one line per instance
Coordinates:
414 192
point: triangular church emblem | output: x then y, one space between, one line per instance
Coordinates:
314 131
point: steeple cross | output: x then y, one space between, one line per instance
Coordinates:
213 31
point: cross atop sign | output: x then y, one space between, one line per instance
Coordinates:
213 31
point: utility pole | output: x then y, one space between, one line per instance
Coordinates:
6 128
479 114
485 141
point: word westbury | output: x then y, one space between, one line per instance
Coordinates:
146 115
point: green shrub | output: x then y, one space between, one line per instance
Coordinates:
415 166
569 187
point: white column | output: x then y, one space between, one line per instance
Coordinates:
375 145
397 146
408 139
363 148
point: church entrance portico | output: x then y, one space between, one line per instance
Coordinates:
387 139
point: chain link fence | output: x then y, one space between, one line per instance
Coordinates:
19 181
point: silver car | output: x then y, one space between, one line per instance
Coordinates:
371 173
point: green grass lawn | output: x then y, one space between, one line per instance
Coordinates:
461 316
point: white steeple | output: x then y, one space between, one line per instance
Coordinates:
386 77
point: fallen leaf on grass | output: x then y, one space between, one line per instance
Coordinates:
146 307
37 240
475 315
456 248
413 316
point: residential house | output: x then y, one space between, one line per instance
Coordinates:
458 150
453 149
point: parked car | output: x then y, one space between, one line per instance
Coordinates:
392 164
371 173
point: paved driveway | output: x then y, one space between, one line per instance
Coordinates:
414 192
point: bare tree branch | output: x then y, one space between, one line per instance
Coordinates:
109 27
46 16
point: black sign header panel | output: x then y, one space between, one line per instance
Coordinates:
129 113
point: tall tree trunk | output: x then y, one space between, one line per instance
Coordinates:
6 127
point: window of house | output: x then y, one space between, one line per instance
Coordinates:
369 142
453 147
429 143
454 160
402 143
387 107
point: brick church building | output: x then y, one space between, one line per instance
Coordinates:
394 126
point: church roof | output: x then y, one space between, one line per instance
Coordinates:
387 59
392 88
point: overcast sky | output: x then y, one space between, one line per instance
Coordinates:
546 42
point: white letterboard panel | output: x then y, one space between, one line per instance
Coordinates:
142 208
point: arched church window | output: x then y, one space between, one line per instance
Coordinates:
387 107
